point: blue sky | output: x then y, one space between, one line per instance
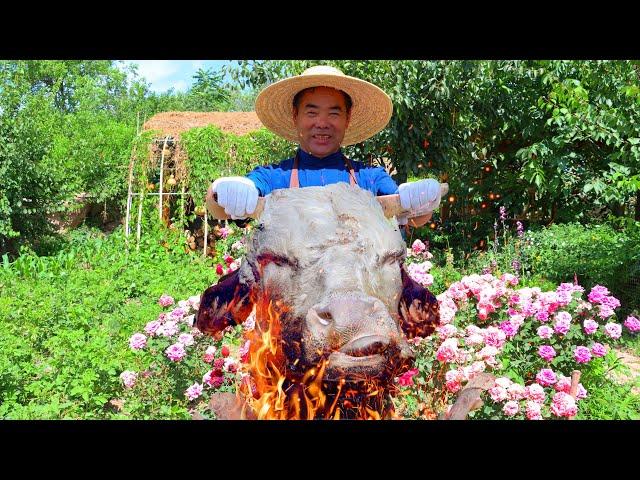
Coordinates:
176 74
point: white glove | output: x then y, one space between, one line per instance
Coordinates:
237 195
420 197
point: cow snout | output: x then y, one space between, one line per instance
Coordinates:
356 330
347 317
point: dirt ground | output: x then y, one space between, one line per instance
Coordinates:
633 362
173 123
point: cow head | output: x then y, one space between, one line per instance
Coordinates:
329 255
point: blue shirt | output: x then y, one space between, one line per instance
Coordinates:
315 172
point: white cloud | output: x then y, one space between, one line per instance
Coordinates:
156 70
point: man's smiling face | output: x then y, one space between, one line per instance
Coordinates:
321 120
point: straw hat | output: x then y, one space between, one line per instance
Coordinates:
370 112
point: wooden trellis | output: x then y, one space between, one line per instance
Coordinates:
166 141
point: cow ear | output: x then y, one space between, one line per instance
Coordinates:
418 308
224 304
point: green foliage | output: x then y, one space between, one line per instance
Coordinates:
65 320
66 128
597 254
212 153
543 138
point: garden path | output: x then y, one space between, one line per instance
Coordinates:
633 363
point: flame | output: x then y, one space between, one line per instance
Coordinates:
273 392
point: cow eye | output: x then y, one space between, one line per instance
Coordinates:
392 258
281 260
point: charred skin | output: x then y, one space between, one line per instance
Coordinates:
227 303
418 309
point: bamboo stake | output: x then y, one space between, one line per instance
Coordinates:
206 233
129 198
575 378
139 220
161 176
182 207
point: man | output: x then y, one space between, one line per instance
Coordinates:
323 109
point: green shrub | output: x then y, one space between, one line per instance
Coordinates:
596 254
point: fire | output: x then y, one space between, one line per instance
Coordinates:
271 391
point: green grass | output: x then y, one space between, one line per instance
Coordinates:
65 320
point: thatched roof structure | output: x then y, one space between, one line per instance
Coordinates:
174 123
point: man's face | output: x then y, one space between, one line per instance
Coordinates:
321 120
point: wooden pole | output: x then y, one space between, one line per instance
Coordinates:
139 220
164 146
206 234
182 208
575 378
129 197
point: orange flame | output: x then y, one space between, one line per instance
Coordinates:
273 393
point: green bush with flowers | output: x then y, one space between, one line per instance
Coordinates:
530 339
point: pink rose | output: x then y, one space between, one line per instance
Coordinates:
494 337
151 327
598 350
128 378
562 323
177 313
169 329
597 294
547 352
406 378
165 300
546 377
509 329
209 354
632 323
225 231
186 339
446 331
605 311
545 332
511 408
453 387
613 330
487 352
175 352
590 326
542 316
533 410
564 405
503 382
563 384
448 350
418 246
516 391
498 394
581 393
137 341
535 393
581 354
194 391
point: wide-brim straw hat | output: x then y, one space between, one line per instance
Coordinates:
370 112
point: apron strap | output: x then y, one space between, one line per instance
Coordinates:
294 182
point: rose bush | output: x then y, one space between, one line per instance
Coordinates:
530 339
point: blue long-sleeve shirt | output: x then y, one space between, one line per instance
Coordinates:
314 172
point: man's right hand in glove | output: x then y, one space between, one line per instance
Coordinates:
237 195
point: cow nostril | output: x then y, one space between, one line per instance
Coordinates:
325 317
